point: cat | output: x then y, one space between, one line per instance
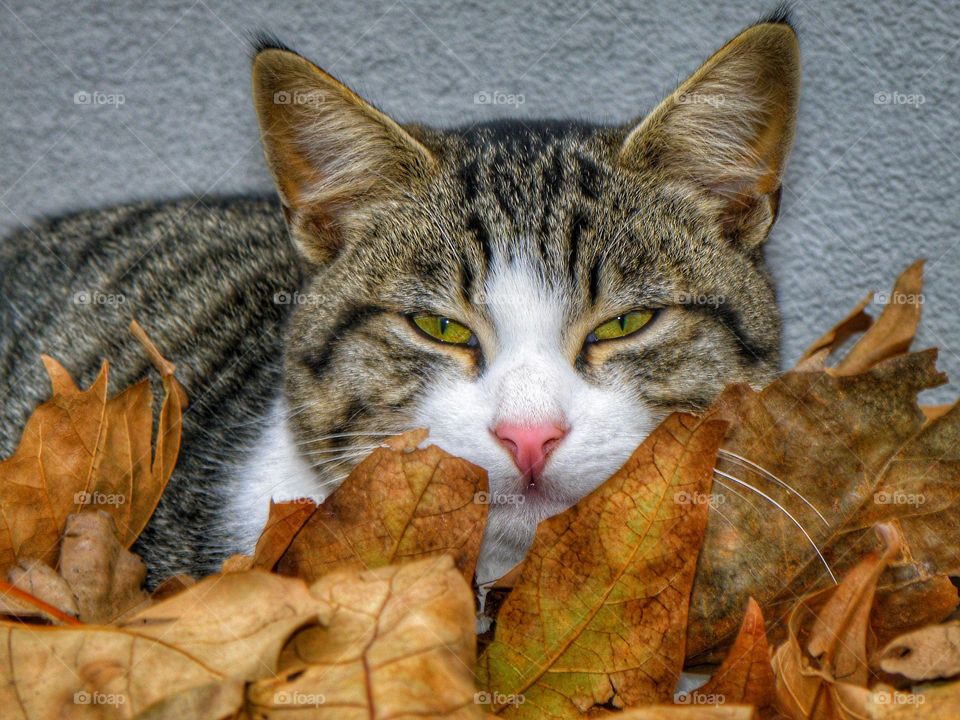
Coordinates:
538 294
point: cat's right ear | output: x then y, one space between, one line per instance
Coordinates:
332 154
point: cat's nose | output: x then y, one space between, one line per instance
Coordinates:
529 444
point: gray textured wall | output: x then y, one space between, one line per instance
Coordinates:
871 185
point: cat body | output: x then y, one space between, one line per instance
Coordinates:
538 294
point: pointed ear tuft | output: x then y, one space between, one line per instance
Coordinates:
332 154
728 128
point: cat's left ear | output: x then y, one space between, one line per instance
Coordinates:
332 154
728 129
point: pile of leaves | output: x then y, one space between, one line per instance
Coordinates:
796 544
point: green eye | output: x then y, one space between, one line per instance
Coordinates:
445 330
621 326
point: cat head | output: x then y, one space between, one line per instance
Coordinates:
538 294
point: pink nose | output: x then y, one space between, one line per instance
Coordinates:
529 445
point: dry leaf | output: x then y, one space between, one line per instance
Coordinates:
911 605
392 642
926 654
598 615
283 523
105 578
856 322
894 330
235 624
59 672
42 582
399 504
829 682
745 675
80 449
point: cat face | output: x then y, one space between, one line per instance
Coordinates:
539 295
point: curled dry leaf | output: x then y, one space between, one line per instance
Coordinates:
827 680
894 330
745 675
598 615
392 642
927 654
400 503
856 322
80 449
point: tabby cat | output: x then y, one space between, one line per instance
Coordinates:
538 294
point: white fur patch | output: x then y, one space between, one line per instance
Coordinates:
528 380
273 469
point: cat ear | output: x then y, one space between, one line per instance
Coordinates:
332 154
729 127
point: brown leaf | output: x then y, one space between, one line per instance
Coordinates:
813 450
43 583
235 624
283 523
914 604
926 654
398 504
80 449
894 330
598 615
745 676
105 578
856 322
53 672
830 682
393 642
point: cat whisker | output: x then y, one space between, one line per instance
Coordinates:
336 451
781 509
742 461
339 436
